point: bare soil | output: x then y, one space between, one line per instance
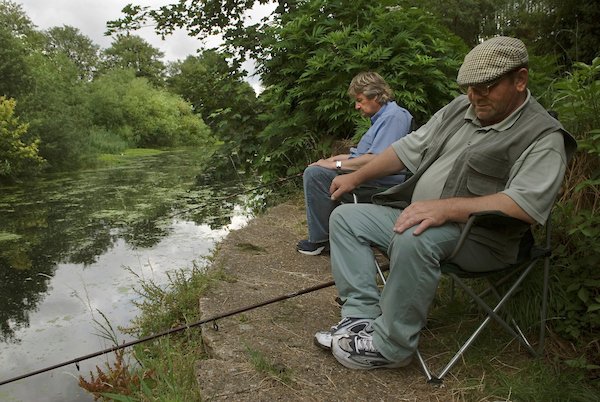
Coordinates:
262 259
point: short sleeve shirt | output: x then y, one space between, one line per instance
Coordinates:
389 124
534 179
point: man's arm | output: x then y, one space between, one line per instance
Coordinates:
348 163
384 164
425 214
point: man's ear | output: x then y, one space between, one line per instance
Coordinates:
521 79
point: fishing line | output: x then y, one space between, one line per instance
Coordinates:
173 330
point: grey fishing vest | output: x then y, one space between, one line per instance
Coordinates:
484 168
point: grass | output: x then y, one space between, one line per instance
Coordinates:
264 365
496 367
164 369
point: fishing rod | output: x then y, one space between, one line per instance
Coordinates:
173 330
280 180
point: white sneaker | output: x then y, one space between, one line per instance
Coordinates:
346 326
357 351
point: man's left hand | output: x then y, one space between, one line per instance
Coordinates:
423 214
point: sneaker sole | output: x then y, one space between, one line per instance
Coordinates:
315 252
343 358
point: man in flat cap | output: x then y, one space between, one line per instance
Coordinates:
493 149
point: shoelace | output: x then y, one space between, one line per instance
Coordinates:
339 324
364 342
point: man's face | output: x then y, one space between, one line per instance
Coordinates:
503 98
367 107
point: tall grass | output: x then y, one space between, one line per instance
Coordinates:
163 369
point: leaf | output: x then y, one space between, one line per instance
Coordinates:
584 295
593 307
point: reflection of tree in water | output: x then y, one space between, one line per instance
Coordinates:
77 218
21 287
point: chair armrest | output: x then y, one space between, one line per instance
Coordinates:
493 219
488 220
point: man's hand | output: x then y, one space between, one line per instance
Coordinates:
425 214
328 163
342 184
432 213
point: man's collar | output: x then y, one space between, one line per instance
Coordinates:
379 112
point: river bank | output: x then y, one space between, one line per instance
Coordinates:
267 353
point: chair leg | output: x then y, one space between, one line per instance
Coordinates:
494 289
544 311
491 313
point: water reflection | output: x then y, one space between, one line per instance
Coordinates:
85 227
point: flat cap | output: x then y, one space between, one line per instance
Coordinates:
491 59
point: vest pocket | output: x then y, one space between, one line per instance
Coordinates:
486 174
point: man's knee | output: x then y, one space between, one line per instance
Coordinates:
338 216
318 174
431 246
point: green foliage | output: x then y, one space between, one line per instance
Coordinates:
166 366
317 49
465 18
226 102
76 46
56 111
566 29
133 52
104 141
18 156
142 115
578 215
14 70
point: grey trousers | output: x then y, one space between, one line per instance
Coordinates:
400 310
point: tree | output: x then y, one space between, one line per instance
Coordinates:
55 109
18 155
219 94
14 77
76 46
465 18
317 50
15 26
130 51
14 20
143 115
564 28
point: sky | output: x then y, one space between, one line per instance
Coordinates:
90 17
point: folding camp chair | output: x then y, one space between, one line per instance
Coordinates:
512 276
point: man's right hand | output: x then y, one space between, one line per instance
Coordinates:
341 185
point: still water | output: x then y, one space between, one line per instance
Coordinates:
73 247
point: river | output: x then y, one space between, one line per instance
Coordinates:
72 247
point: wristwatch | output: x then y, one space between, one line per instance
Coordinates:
338 164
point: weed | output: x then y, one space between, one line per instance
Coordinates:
263 365
165 368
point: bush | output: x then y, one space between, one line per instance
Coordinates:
577 256
317 49
143 115
18 157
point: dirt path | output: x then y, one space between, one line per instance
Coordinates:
262 259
